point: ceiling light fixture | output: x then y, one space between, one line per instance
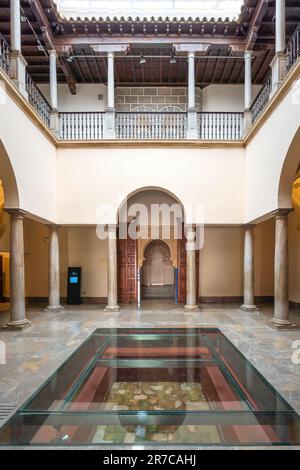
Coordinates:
173 59
142 60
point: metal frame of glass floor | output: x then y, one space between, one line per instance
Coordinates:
148 386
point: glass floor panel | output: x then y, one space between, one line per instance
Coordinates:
154 386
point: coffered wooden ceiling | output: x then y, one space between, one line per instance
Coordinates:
154 38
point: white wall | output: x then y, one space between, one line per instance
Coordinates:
86 98
212 179
214 97
265 158
32 158
225 98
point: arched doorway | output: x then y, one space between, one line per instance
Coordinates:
150 234
157 272
9 199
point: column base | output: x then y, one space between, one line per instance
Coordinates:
115 308
249 308
191 308
280 325
54 309
16 325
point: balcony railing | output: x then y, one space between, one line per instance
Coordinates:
262 99
293 49
38 101
220 126
151 126
143 126
4 55
81 126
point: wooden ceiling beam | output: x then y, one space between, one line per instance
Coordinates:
254 26
49 40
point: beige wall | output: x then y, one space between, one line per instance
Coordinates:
90 253
294 257
264 246
221 262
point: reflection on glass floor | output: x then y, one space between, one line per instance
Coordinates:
155 386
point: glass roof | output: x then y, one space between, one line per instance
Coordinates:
149 8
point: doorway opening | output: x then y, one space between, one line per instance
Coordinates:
157 272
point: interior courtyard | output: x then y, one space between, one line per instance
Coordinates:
150 224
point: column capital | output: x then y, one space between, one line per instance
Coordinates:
249 226
53 226
248 54
16 213
281 213
53 53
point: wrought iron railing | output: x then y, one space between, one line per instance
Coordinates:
262 99
37 100
293 49
4 55
151 125
220 126
81 126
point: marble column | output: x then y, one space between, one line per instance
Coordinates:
18 319
248 304
112 282
17 64
281 275
279 64
110 117
54 116
248 91
54 283
192 131
191 277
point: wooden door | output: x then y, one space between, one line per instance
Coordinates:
1 279
127 271
182 270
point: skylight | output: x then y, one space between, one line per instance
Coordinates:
149 8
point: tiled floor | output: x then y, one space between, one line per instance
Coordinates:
33 354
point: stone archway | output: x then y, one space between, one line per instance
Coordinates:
158 271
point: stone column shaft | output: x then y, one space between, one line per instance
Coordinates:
53 79
17 63
15 25
54 281
281 275
248 304
278 64
112 275
248 79
191 277
280 26
191 81
18 319
110 81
